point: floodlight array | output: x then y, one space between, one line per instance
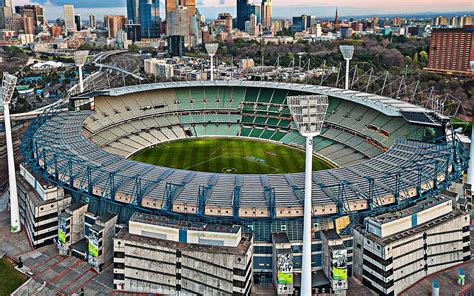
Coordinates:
212 48
80 57
308 112
8 87
347 51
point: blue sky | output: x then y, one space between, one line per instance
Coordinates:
282 8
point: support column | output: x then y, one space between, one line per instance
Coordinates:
347 74
306 284
81 84
14 208
470 170
212 67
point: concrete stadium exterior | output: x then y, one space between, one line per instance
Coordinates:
63 148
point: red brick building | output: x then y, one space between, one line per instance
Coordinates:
451 50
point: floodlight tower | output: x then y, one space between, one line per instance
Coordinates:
80 58
211 51
6 94
347 52
308 112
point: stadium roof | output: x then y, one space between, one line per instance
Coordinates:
386 105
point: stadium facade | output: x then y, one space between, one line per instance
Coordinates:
389 155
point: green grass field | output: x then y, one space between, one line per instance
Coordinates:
223 155
10 279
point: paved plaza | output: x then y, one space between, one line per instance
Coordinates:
51 273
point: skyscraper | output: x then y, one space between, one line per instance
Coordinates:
77 20
267 13
171 6
178 23
115 23
69 22
146 13
256 10
6 12
33 11
92 21
242 13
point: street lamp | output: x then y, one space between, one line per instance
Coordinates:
347 53
80 58
6 94
308 112
211 51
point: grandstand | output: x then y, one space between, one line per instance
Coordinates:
382 158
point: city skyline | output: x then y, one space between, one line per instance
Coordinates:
211 8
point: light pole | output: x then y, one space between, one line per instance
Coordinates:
211 51
308 112
80 58
8 87
347 53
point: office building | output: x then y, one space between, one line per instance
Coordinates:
6 13
175 45
178 23
92 21
226 19
242 14
393 251
115 23
267 13
253 28
255 10
146 14
451 50
440 21
300 23
78 22
69 20
40 204
183 257
35 12
346 32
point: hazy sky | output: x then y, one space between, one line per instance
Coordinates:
282 8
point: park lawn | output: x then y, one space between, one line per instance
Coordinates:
10 278
228 155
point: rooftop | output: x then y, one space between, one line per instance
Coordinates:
392 216
241 249
410 232
76 206
183 224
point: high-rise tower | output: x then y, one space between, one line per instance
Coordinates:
266 13
146 14
242 13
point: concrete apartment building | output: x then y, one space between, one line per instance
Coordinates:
40 204
165 256
394 250
451 50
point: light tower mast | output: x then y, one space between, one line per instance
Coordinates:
80 58
308 112
347 52
6 94
211 51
